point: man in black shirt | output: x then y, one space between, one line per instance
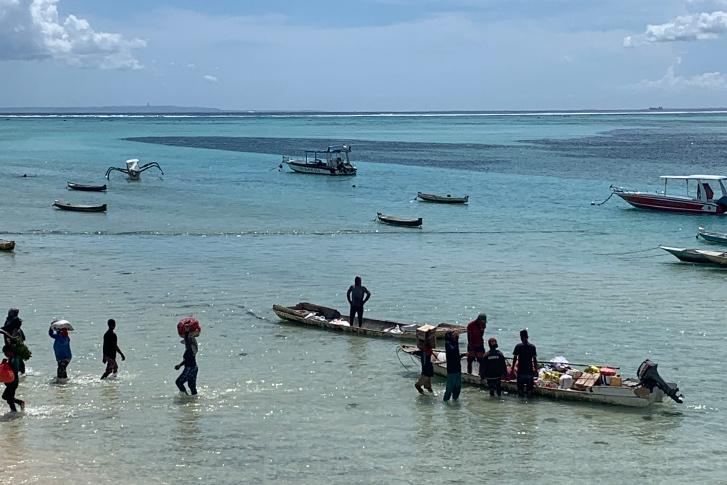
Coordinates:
493 368
525 354
110 348
357 295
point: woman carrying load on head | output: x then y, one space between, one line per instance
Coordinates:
62 349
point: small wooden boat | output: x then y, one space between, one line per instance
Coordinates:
632 392
693 255
330 318
717 237
87 188
6 245
66 206
399 221
444 199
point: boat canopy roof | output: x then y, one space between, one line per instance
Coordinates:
695 177
331 149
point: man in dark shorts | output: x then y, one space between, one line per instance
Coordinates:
493 368
525 354
357 295
189 361
110 348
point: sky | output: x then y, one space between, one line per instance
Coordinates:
365 55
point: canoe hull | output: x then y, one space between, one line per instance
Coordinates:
442 199
689 255
87 188
79 208
712 236
399 221
6 245
638 397
370 328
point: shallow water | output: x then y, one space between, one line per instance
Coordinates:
224 235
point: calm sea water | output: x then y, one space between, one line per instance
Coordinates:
223 235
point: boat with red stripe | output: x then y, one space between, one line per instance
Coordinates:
702 194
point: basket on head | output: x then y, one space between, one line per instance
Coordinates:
190 325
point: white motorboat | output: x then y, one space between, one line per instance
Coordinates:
331 161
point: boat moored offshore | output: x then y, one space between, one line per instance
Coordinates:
331 161
701 199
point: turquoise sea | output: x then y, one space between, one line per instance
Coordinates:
223 235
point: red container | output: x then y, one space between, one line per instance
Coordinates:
189 324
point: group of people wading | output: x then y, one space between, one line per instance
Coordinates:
492 364
16 353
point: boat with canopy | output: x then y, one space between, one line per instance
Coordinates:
703 194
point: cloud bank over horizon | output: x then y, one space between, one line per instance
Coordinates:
33 30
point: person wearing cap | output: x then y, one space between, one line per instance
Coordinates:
454 366
62 349
476 340
493 368
525 355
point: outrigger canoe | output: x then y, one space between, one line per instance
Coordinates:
399 221
79 208
330 318
87 188
444 199
6 245
633 392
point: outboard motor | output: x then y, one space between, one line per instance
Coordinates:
649 377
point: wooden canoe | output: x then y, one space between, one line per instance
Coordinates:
444 199
717 237
399 221
6 245
693 255
66 206
631 393
87 188
330 318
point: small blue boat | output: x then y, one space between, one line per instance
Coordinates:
716 237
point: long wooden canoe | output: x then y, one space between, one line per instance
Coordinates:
444 199
66 206
398 221
87 188
330 318
693 255
631 393
6 245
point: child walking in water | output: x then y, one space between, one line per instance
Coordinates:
189 374
11 387
62 349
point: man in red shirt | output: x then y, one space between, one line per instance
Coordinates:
476 340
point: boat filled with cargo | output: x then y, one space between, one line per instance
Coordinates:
558 379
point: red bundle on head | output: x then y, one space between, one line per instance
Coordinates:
190 325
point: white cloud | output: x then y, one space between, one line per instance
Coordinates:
32 29
210 79
705 26
670 82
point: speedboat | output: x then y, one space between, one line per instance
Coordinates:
700 199
331 161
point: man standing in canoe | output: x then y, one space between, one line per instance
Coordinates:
476 340
357 296
525 356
